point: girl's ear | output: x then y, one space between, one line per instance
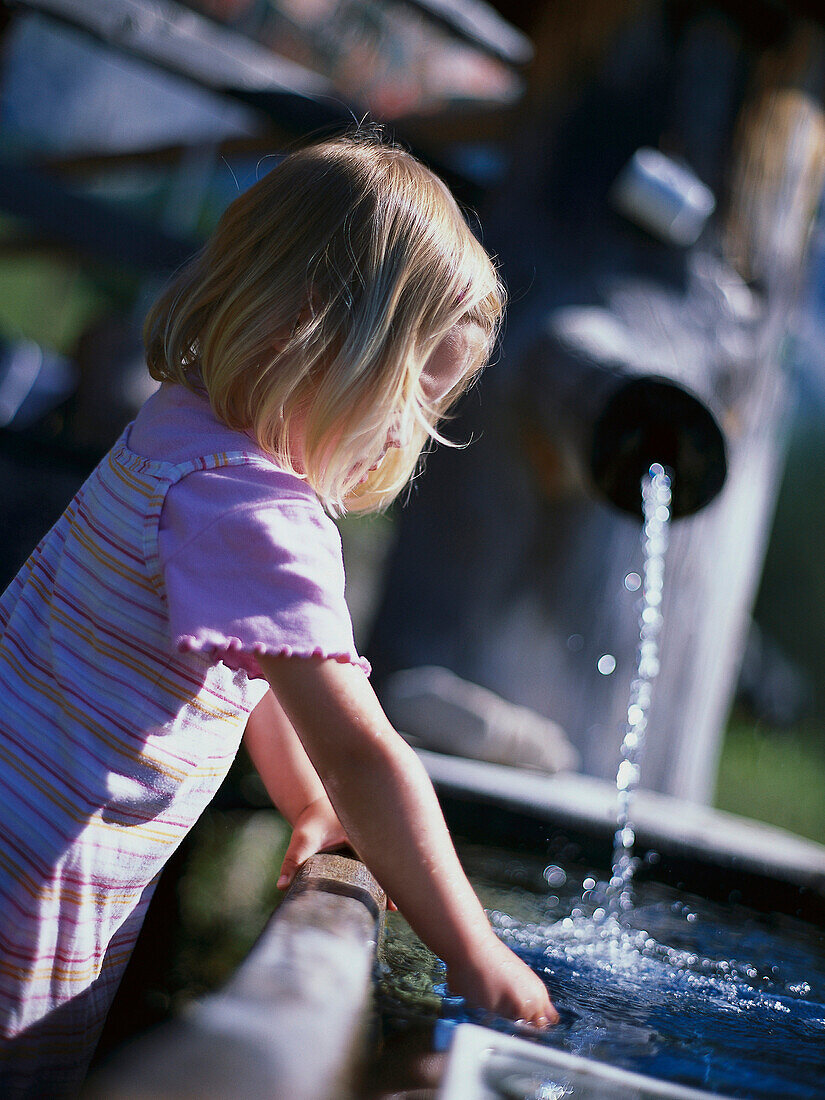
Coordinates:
307 313
281 338
310 309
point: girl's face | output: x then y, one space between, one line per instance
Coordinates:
458 353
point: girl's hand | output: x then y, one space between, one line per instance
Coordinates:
496 980
316 829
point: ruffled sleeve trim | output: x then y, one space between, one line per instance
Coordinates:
237 654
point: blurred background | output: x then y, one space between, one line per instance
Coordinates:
649 174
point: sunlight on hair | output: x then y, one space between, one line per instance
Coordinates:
312 313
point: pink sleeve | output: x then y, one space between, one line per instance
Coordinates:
251 565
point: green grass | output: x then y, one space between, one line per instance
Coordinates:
48 302
50 296
227 894
776 776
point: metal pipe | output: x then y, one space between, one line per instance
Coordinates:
596 390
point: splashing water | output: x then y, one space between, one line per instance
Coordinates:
656 495
705 994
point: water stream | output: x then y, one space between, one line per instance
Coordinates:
656 511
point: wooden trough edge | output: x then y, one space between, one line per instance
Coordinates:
291 1022
719 855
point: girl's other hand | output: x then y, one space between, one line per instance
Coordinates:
316 829
496 980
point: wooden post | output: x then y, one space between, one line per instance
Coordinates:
290 1024
524 587
716 559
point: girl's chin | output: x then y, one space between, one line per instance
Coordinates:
354 473
366 473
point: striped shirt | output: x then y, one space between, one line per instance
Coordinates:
114 736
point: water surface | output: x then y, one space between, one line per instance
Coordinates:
712 996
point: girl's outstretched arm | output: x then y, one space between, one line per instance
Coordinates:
293 785
387 805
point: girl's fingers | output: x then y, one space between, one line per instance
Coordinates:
306 840
286 874
299 850
543 1015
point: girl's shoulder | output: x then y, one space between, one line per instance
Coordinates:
216 468
177 425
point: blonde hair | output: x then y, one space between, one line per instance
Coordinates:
314 308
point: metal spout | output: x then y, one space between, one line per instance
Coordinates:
598 400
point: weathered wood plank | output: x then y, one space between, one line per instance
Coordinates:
168 34
290 1024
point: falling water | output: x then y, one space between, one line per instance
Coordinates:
656 508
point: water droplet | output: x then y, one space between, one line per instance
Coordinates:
555 876
656 468
589 884
802 989
575 643
606 664
633 582
627 775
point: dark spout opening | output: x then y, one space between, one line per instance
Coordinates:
655 420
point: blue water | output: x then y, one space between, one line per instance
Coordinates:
711 996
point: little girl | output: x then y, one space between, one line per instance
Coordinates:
193 591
